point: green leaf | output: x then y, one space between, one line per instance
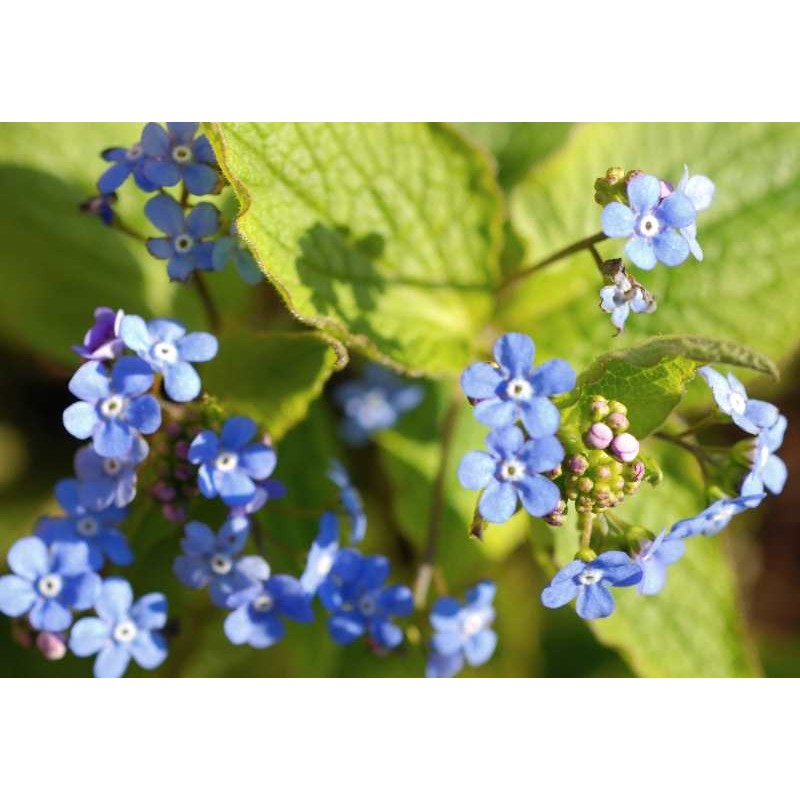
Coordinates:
746 289
652 377
383 235
271 377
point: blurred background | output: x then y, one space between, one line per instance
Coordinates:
57 264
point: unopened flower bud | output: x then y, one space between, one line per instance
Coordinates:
617 422
578 464
598 409
163 492
615 407
625 447
173 513
181 449
585 484
51 645
599 436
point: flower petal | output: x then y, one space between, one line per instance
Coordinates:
644 192
476 470
671 248
595 602
640 251
515 352
540 417
480 380
617 220
498 501
165 213
539 495
554 377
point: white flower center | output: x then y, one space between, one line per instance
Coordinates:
134 151
512 470
227 461
738 402
113 406
111 466
221 564
590 575
87 526
649 225
183 243
367 605
324 564
181 154
125 631
263 602
165 351
519 389
473 622
50 585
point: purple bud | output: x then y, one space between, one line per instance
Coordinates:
637 470
617 422
181 449
163 492
173 429
102 341
599 436
625 447
175 514
577 465
51 645
182 472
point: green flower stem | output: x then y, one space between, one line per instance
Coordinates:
208 302
586 533
118 225
583 244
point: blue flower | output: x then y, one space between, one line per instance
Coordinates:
359 603
100 206
322 554
125 162
373 403
462 632
122 630
622 297
768 470
700 190
655 557
209 560
231 247
510 472
514 389
102 341
730 395
589 582
713 519
48 582
257 620
266 490
651 224
351 501
168 349
175 155
183 246
229 465
108 481
112 409
97 528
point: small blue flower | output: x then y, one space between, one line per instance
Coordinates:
351 501
651 224
510 472
175 155
102 341
100 206
266 490
373 403
257 620
125 162
122 630
751 416
229 465
112 409
322 554
209 560
231 247
108 481
622 297
589 582
48 582
97 528
515 389
462 632
713 519
183 247
655 557
769 471
168 349
359 603
700 190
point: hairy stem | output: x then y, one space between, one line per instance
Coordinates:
208 302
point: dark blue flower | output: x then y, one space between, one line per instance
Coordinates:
122 630
210 560
229 464
651 224
359 603
351 501
769 470
48 582
462 632
174 155
112 409
373 403
231 247
257 620
97 528
655 557
183 247
266 490
509 472
713 519
168 349
514 389
108 481
101 206
124 162
322 554
589 582
751 416
102 341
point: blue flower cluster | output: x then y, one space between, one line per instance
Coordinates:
513 398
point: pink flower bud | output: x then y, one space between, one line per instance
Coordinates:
625 447
51 645
181 449
599 436
174 514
